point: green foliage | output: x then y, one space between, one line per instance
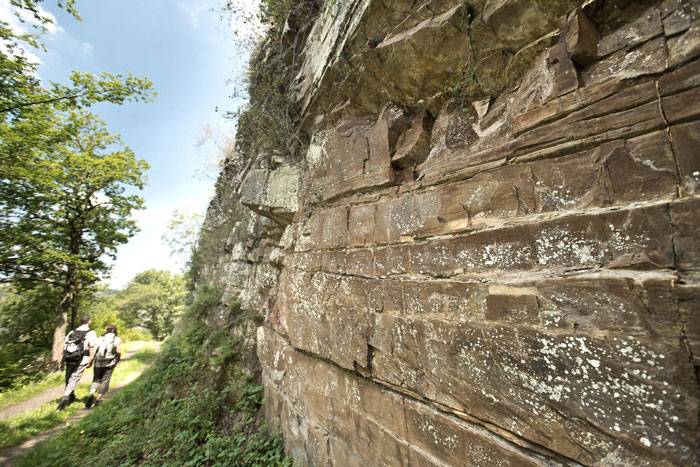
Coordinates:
63 207
269 123
172 415
135 334
103 314
26 316
22 363
152 300
26 329
65 204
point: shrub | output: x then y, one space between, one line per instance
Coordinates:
21 364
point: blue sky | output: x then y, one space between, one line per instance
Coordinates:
186 50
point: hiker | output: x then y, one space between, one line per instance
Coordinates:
78 351
109 351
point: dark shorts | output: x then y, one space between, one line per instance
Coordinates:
101 377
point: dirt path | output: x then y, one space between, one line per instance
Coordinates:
49 394
10 455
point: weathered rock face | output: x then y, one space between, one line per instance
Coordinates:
507 276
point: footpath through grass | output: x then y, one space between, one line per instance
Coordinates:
15 430
21 394
194 407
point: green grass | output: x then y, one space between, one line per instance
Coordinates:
21 394
175 414
16 430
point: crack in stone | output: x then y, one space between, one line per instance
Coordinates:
683 330
679 189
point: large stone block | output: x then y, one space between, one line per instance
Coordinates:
361 225
573 393
350 157
582 37
326 315
365 423
608 304
642 29
689 307
413 145
272 193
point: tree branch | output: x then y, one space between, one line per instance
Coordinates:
43 101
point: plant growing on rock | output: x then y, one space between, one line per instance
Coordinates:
268 124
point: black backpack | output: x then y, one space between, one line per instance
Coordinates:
74 348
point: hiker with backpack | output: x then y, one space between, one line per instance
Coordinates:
78 351
109 351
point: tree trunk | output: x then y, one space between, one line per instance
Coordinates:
70 291
72 315
59 334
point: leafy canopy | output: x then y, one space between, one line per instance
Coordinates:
63 199
153 300
22 91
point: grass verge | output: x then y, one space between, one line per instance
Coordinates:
21 394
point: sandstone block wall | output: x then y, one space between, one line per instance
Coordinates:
508 275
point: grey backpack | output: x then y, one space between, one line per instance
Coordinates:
106 350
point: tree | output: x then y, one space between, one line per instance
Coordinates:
182 234
26 330
26 316
22 91
62 176
64 206
153 299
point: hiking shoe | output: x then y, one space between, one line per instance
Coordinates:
62 403
71 398
90 401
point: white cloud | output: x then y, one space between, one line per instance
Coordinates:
87 49
193 11
26 23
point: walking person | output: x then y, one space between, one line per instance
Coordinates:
78 351
109 351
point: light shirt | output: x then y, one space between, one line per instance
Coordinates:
90 341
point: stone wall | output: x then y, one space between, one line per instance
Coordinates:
503 274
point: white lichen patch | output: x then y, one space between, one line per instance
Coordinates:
559 246
503 255
558 196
